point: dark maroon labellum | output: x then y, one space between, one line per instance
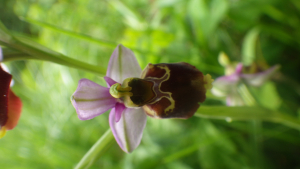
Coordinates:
5 79
177 89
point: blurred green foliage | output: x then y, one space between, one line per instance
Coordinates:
49 134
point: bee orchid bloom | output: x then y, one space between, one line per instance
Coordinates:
160 91
228 85
10 104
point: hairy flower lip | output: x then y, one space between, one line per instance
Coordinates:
179 89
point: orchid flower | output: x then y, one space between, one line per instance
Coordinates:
10 104
228 85
160 91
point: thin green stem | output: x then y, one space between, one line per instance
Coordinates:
96 150
42 53
256 126
34 50
17 56
246 113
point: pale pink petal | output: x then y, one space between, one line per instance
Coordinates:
239 68
119 108
1 55
122 65
91 99
258 79
109 81
224 85
129 130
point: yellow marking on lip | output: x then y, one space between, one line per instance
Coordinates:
167 95
2 131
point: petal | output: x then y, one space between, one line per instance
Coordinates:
119 108
129 130
224 85
14 110
239 68
258 79
109 81
123 64
4 92
91 99
1 55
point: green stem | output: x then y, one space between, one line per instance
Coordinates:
96 150
52 56
256 126
246 113
15 57
34 50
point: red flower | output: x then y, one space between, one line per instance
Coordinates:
10 104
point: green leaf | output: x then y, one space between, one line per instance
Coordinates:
206 17
248 48
133 19
71 33
82 36
267 96
218 10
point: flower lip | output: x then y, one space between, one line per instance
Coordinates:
4 86
179 87
10 104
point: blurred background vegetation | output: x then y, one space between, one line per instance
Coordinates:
49 133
